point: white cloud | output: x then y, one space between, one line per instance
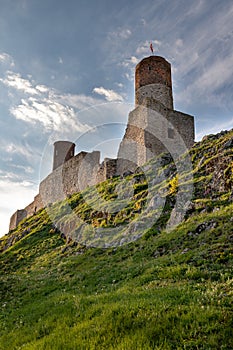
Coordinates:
199 7
130 62
60 60
216 74
143 22
26 169
40 105
13 148
179 43
78 101
42 88
128 76
125 33
208 83
14 80
52 115
120 85
134 60
5 58
122 33
202 57
109 95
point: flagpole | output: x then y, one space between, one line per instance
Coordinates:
151 48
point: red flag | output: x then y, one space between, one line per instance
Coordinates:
151 48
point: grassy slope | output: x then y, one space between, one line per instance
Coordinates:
164 291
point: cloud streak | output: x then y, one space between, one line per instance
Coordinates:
14 80
50 114
110 95
13 148
53 111
130 62
121 33
41 105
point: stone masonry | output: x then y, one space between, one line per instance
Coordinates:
153 127
153 80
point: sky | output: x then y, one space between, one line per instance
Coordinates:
67 72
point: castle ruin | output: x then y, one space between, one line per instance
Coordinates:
153 127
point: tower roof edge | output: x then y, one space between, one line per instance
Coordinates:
153 58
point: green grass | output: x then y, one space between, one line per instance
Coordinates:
166 290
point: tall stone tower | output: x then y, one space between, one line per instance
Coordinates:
153 80
63 151
154 126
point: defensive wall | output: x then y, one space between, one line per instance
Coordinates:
76 174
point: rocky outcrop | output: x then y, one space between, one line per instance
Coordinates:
213 162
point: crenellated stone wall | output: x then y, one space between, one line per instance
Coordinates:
33 207
15 219
184 124
76 174
73 176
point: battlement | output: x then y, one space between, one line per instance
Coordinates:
63 151
73 175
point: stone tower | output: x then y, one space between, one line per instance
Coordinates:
154 127
63 151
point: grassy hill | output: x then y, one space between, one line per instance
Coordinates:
168 289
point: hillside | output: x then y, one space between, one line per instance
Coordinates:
160 289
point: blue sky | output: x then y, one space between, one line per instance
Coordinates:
68 66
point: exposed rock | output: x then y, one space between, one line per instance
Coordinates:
228 144
209 137
156 202
176 218
127 173
159 252
203 227
166 159
185 251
